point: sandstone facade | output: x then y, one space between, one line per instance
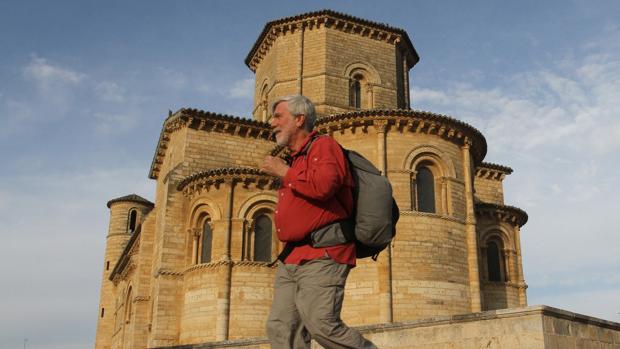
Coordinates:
192 267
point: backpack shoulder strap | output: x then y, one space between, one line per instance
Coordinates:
306 148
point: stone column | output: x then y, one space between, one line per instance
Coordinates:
223 300
521 279
511 259
470 230
413 193
444 195
195 234
385 259
406 82
450 211
300 68
371 96
265 111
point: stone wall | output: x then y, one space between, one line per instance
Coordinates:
536 327
489 190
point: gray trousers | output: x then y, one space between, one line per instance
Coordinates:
306 304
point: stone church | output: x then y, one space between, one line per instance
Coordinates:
190 270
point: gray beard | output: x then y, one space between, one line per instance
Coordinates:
282 140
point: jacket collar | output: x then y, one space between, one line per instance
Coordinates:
303 149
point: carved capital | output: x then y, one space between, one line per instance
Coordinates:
195 232
467 143
380 125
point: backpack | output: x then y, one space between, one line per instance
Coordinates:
372 224
375 212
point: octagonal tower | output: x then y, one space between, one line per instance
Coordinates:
340 62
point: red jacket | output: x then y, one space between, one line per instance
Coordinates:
316 191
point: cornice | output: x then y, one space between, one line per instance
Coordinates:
492 171
246 175
208 121
167 272
416 121
120 269
329 19
509 214
431 215
131 198
214 265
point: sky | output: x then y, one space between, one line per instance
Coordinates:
86 85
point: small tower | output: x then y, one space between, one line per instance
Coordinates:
126 215
342 63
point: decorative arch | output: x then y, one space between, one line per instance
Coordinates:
128 305
133 220
263 99
372 73
430 170
495 255
204 204
361 78
257 202
499 232
259 238
200 230
432 153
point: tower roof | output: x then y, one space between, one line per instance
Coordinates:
131 198
200 119
345 22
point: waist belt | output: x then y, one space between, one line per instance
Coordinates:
332 234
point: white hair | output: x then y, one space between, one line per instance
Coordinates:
298 105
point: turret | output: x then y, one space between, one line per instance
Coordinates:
126 215
342 63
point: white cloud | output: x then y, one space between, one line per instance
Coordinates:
57 88
429 96
575 106
173 78
204 88
109 91
14 115
39 69
242 89
110 123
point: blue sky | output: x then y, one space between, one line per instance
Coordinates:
86 85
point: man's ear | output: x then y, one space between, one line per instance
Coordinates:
300 120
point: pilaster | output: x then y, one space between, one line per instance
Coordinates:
470 226
385 259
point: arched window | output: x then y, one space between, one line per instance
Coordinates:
424 190
128 306
355 92
263 230
132 221
206 242
264 104
494 265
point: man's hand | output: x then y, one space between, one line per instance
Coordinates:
274 166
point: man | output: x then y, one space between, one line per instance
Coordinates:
316 191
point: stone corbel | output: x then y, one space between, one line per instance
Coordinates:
380 125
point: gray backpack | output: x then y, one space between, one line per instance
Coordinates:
372 224
375 211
